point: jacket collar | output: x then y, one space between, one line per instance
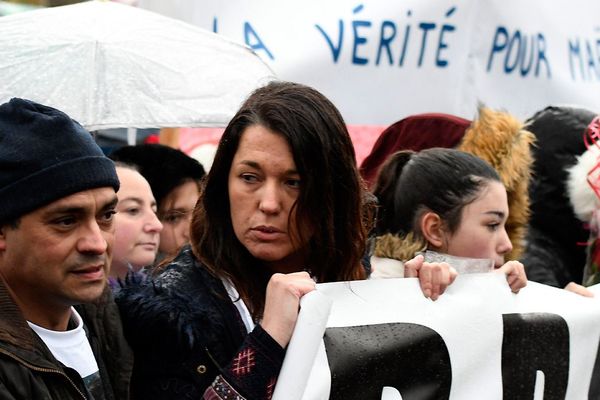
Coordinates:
13 327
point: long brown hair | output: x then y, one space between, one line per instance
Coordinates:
330 199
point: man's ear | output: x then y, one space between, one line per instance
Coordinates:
3 229
432 228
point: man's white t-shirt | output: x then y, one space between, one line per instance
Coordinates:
72 348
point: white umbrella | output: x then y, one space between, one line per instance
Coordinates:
109 65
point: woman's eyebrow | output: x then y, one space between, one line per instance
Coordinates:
499 214
254 164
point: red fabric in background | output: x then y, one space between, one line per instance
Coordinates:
363 138
416 132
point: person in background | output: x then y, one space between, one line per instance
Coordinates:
175 181
282 207
137 228
495 136
444 200
558 228
60 333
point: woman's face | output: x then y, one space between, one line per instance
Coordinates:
482 232
137 228
176 214
263 188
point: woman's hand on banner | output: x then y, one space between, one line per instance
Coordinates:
434 278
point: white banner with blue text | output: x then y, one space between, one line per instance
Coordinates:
380 61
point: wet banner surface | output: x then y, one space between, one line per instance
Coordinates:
381 339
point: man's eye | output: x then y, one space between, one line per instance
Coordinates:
65 222
109 215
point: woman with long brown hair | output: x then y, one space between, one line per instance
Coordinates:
281 208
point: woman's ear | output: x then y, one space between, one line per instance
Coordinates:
432 228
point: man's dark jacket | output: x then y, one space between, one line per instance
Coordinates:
28 370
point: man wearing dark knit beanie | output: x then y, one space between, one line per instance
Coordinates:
60 333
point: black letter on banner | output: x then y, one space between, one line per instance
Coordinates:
594 392
532 342
411 358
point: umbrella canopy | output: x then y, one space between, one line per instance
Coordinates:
109 65
7 8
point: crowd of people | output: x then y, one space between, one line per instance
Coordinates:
206 271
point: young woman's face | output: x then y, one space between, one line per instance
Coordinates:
482 232
137 227
176 215
263 188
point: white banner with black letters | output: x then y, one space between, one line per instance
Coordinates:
381 339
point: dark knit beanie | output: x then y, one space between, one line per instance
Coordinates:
45 156
164 167
417 132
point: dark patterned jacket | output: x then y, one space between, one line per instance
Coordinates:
189 339
28 370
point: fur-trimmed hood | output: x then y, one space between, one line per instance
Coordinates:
502 140
396 247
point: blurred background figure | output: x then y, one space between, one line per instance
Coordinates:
175 181
583 186
137 228
558 234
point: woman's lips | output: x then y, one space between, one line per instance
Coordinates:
266 233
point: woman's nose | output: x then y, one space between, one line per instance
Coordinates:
153 224
505 245
270 200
